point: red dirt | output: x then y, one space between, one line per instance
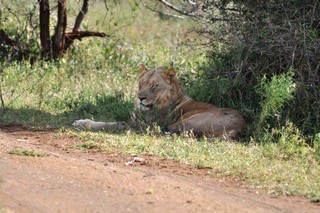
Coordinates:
85 181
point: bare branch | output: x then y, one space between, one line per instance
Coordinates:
179 10
194 11
192 2
161 12
71 36
81 34
81 15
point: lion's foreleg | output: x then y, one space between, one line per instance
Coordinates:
87 124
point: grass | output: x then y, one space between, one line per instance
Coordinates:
98 80
260 166
91 145
31 153
88 145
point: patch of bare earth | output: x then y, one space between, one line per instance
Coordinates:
81 181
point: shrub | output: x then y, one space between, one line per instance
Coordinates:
274 94
266 38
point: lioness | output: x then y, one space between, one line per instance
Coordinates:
162 100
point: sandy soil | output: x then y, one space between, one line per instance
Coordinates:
85 181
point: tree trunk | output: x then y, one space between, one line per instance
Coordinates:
59 36
45 27
80 17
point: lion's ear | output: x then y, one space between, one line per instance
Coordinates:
143 69
170 74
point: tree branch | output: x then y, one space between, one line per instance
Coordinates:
71 36
179 10
81 15
76 34
58 36
81 34
196 10
17 49
160 12
4 39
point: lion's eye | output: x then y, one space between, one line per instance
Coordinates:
154 86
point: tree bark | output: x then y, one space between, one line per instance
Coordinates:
70 37
59 36
81 15
81 34
5 40
76 27
17 50
45 27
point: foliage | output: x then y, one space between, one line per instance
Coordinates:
316 146
38 20
274 95
98 79
291 143
266 38
17 19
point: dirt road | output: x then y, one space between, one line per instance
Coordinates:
80 181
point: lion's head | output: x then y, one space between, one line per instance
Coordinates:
158 89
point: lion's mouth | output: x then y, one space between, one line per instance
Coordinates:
146 106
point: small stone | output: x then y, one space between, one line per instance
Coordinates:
129 163
137 159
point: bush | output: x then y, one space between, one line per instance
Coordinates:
260 39
274 93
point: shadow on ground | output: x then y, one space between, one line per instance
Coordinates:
102 108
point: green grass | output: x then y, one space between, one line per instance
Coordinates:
31 153
98 80
260 166
88 145
94 146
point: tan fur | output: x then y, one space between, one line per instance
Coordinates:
162 100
